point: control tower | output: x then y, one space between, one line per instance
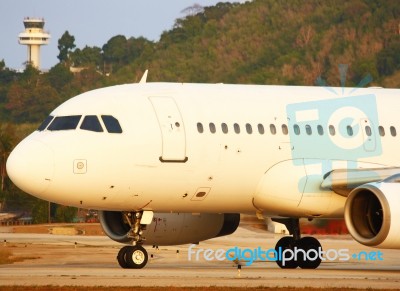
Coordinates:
34 36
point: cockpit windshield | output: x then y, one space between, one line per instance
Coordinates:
65 122
92 123
45 123
89 123
111 124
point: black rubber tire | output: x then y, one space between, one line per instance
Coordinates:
286 242
307 243
121 257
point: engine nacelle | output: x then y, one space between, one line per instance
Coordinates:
372 214
172 228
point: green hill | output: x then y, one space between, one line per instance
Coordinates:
278 42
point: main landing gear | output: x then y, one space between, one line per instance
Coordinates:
135 256
294 251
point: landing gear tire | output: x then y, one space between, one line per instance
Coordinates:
132 257
312 247
303 249
286 242
308 246
136 257
121 257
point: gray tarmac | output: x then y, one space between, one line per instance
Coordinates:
63 260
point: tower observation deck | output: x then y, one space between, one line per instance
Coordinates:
33 37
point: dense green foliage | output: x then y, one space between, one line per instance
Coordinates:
261 42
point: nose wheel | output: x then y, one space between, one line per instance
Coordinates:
135 256
132 257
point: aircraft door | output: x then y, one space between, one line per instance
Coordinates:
172 129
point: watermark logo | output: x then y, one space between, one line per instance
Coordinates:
249 256
344 128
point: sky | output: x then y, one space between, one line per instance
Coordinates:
91 22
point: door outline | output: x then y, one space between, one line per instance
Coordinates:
369 141
172 130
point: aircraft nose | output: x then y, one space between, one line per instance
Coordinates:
31 166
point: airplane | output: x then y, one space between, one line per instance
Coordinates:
177 163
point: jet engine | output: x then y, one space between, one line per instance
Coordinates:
372 213
171 228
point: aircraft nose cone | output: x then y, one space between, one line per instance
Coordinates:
30 166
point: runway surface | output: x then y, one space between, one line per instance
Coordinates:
91 261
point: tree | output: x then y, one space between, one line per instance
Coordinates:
65 45
30 75
31 102
15 99
88 56
59 76
6 77
40 211
115 50
7 138
193 10
65 213
136 47
388 59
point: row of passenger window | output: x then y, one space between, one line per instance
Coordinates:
90 122
296 129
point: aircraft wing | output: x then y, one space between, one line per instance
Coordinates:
342 181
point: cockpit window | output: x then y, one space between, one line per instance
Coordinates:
65 122
45 123
92 123
111 124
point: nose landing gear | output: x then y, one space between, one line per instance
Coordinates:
135 256
132 257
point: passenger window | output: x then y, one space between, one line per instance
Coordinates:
320 130
92 123
296 129
212 127
368 130
308 129
272 128
332 130
111 124
393 131
45 123
284 129
65 122
236 127
381 131
261 128
249 129
224 128
349 130
200 128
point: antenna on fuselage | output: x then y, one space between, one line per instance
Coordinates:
144 77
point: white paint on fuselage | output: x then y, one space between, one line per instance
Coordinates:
124 171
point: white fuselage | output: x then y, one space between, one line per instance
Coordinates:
163 162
